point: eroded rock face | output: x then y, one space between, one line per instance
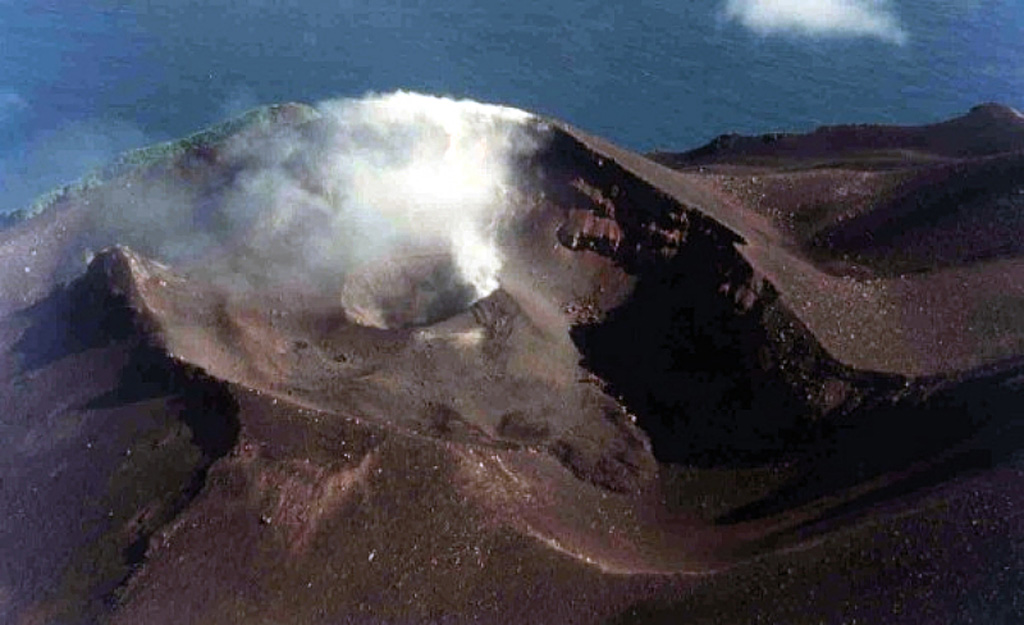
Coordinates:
714 363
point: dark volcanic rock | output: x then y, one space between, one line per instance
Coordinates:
779 384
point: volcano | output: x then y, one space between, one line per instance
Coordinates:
773 379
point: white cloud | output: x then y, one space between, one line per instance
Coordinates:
819 18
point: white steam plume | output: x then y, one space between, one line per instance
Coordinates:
427 170
373 179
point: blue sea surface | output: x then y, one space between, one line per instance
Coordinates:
81 81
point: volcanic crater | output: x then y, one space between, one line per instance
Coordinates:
774 377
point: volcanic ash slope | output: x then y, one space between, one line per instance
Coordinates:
406 359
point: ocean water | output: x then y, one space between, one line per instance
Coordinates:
81 81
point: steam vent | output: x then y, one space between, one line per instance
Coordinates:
406 359
407 290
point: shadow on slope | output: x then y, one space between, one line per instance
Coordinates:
948 215
895 445
93 311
